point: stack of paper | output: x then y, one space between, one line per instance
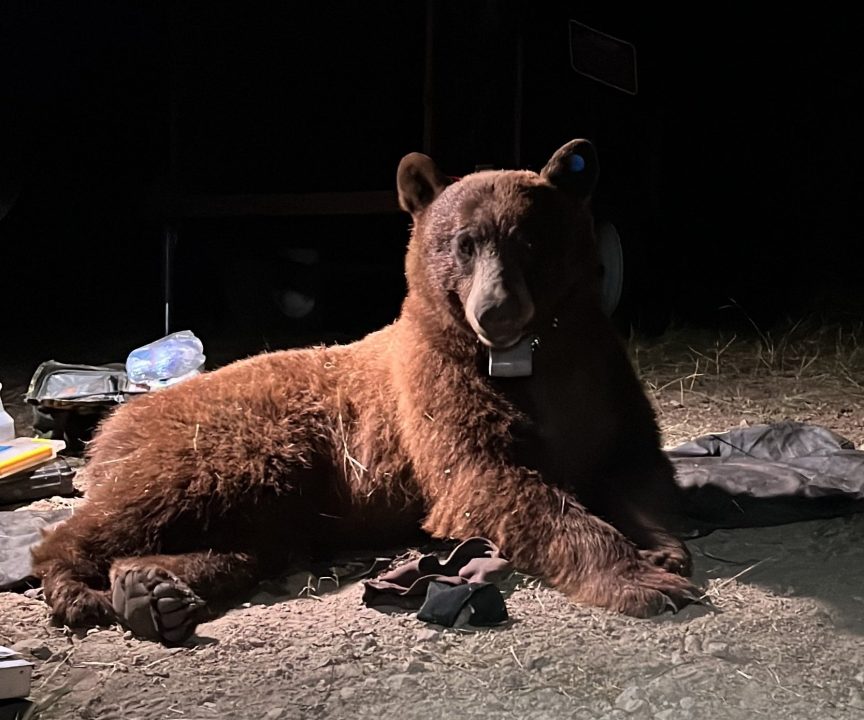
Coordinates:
23 454
30 469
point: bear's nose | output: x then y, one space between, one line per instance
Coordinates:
500 315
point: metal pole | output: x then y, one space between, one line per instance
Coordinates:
169 244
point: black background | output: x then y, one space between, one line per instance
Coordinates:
734 175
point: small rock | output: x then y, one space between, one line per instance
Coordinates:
93 631
634 705
82 679
545 697
686 703
58 656
856 699
415 666
536 662
692 644
34 648
426 634
860 677
615 714
684 671
630 700
43 652
274 714
717 649
399 680
351 671
511 680
128 635
346 693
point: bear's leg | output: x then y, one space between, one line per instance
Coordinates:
74 576
646 503
164 597
74 593
546 532
656 544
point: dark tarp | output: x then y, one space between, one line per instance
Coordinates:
19 531
767 475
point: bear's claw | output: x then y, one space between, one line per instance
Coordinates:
656 590
672 559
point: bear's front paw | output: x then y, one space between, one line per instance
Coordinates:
156 605
652 590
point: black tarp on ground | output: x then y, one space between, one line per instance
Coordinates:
767 475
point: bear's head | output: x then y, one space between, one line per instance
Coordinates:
499 254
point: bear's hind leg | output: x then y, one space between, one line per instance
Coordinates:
164 597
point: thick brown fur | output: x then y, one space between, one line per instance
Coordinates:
220 481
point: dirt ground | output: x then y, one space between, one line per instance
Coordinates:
785 640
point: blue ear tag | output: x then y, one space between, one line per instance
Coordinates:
577 163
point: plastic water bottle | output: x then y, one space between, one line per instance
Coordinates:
172 356
7 424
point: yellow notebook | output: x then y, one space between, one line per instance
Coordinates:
24 453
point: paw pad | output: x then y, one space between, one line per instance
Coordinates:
156 605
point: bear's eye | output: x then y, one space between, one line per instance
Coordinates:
463 246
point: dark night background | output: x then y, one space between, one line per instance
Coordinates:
734 173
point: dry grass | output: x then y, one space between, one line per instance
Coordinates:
799 372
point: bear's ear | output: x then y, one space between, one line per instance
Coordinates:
573 168
419 182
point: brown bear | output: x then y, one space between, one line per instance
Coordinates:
499 404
